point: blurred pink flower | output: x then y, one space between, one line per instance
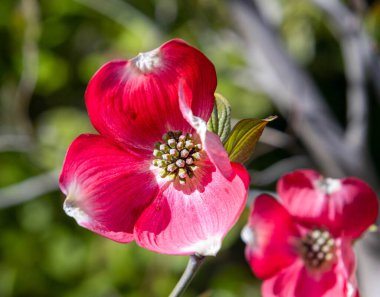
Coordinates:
154 174
301 246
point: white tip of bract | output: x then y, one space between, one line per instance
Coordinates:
72 210
146 62
350 289
328 185
208 247
247 235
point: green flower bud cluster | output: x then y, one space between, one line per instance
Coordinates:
176 155
318 248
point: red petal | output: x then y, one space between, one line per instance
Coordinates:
274 233
295 281
107 187
307 285
194 218
210 142
136 101
338 282
347 207
283 283
346 284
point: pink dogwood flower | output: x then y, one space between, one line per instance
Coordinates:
154 174
302 245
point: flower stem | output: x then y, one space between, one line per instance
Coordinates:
195 262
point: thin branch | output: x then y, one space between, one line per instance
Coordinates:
360 6
195 262
272 173
30 58
347 23
276 138
289 86
15 143
347 28
357 52
296 96
29 189
253 194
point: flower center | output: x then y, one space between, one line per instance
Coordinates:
318 249
177 155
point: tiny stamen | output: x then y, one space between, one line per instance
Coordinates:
172 167
196 156
172 143
189 144
166 157
182 173
184 153
163 173
180 145
164 148
157 153
162 163
173 152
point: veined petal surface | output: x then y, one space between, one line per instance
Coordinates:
297 281
274 236
210 142
346 207
107 187
136 101
194 218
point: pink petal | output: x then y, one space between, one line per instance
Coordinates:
321 286
284 282
274 234
345 207
135 102
345 270
210 142
194 218
107 187
297 281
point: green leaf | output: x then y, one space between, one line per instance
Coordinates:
243 139
220 120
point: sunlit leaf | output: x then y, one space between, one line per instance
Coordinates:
243 138
220 120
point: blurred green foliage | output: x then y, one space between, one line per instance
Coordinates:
42 251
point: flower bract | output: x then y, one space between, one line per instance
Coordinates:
301 245
154 174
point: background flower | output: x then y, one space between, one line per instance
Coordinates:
301 246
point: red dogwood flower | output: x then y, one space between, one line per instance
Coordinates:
154 174
301 246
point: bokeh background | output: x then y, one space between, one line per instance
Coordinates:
314 63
